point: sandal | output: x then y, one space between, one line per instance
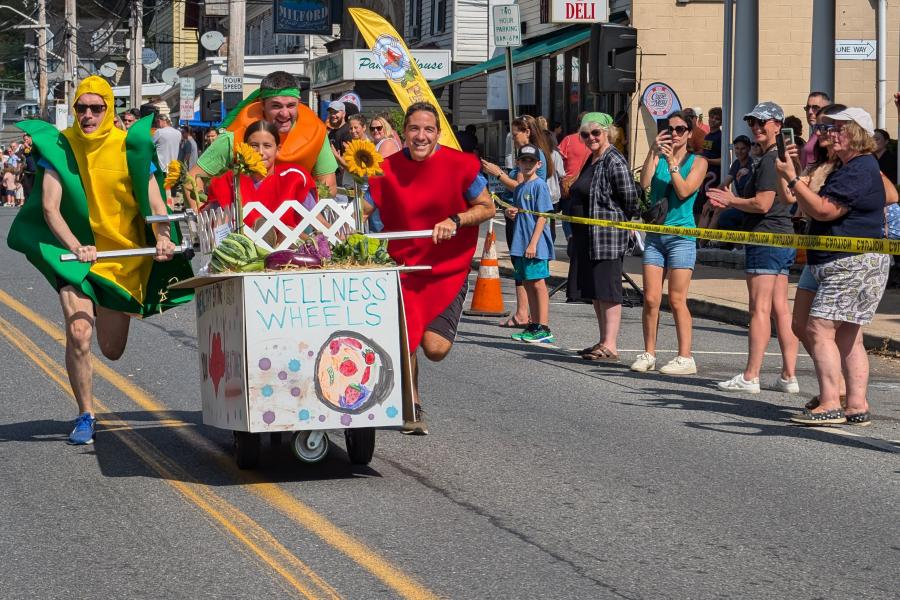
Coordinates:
813 404
863 419
590 349
829 417
601 354
511 323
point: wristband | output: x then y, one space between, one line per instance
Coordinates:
456 221
793 182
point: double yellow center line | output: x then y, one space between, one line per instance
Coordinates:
297 575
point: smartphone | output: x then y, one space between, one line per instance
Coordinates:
662 125
779 143
788 134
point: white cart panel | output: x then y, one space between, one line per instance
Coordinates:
323 350
220 336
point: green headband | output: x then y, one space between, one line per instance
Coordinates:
288 91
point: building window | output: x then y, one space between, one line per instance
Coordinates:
415 19
545 11
438 16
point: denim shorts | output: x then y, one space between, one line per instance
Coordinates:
807 281
530 269
670 251
768 260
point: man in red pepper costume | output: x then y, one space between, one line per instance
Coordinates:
423 187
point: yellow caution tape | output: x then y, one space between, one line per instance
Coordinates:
828 243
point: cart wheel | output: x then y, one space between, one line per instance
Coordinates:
310 446
360 444
246 449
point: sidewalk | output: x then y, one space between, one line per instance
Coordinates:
720 294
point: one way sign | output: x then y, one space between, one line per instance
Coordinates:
855 49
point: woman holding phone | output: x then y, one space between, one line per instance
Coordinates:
674 176
766 267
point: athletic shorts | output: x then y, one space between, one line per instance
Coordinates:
530 269
446 323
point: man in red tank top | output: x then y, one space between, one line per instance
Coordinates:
427 186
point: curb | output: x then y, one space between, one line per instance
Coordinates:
732 315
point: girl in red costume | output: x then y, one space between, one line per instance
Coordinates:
282 181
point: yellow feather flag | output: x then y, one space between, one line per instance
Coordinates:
399 68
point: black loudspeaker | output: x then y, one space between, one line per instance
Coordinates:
210 105
149 109
305 84
613 59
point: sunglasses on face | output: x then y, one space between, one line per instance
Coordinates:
823 128
376 128
754 122
586 134
812 108
94 108
680 129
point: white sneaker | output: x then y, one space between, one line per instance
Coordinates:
645 362
739 384
679 365
788 386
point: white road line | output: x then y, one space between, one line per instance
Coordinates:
726 353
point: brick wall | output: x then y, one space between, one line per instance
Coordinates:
682 46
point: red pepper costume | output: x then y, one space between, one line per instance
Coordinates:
285 182
415 195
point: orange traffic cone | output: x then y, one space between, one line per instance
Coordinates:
487 301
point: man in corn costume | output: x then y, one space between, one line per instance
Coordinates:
93 186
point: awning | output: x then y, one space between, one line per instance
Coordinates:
539 47
196 122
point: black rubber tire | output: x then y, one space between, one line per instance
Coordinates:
246 449
360 444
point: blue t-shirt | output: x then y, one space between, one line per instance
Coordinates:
856 185
376 224
531 195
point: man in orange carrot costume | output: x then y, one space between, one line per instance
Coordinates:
303 136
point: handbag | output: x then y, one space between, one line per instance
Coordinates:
656 214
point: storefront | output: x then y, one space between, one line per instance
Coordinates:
358 71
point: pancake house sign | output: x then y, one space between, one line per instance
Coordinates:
579 11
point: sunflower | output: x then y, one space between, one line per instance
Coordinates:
247 160
174 174
362 158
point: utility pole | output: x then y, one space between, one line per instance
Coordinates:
237 23
137 46
42 58
70 55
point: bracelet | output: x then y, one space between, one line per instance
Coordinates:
793 182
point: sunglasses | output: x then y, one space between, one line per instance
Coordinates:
754 122
813 108
586 134
376 128
94 108
680 129
823 128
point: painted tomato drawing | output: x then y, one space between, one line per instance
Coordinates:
353 373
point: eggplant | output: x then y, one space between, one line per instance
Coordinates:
281 259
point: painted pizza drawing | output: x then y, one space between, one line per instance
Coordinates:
353 373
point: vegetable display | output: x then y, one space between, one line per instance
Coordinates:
237 252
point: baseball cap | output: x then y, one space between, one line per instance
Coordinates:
528 151
765 111
337 106
857 115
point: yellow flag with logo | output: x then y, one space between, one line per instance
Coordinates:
399 68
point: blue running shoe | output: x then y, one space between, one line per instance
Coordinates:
84 430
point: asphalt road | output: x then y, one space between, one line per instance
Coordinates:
545 476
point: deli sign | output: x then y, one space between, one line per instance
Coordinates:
579 11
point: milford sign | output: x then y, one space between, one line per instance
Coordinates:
579 11
361 65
